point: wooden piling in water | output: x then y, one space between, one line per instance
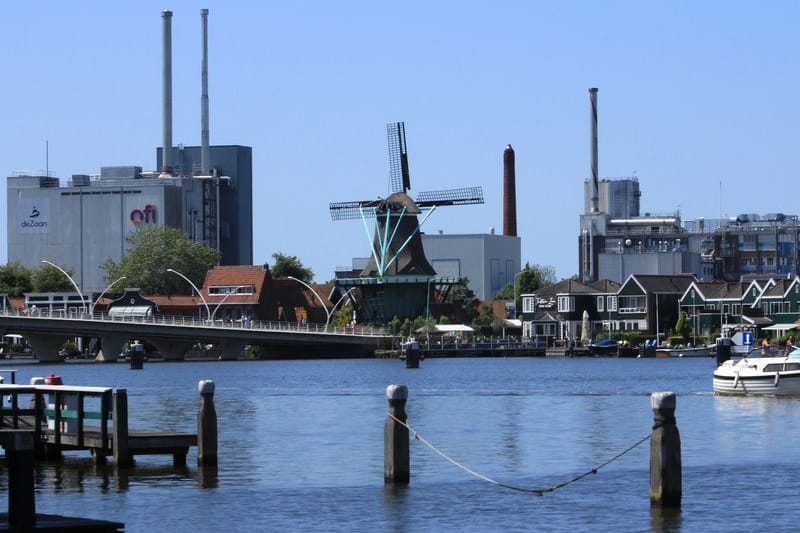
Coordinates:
206 425
21 497
122 455
665 452
396 461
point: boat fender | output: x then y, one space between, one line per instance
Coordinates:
735 380
777 378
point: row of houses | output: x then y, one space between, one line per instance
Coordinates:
228 293
651 304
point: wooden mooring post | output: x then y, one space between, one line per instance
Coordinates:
206 425
19 449
665 452
395 437
119 419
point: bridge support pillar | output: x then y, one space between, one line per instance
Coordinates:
232 349
110 347
171 350
46 347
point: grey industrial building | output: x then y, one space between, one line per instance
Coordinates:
489 261
205 191
617 241
83 223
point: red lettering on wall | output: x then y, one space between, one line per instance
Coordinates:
146 216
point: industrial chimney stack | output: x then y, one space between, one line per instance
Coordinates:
166 161
204 140
593 118
509 193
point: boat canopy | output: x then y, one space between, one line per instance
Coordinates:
781 327
448 328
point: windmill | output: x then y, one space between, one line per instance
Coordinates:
397 256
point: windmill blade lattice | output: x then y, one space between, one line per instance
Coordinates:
399 178
463 196
353 210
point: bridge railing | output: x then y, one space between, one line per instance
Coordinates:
188 321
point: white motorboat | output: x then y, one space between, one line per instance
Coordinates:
685 351
768 376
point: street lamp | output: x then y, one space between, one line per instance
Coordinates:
428 300
94 303
324 306
340 300
80 294
235 291
516 280
694 319
199 293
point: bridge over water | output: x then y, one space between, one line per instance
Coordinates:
173 336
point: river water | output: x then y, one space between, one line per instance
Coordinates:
301 448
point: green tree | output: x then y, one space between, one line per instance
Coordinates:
683 327
48 278
534 277
394 326
506 293
461 294
15 279
290 265
484 321
343 315
529 279
152 251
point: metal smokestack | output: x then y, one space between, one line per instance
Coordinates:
166 159
509 193
593 118
204 165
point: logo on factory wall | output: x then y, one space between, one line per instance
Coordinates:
144 216
33 215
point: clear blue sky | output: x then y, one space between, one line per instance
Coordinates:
699 99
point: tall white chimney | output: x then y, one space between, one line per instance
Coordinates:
166 159
204 140
593 119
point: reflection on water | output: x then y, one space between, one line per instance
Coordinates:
301 448
665 519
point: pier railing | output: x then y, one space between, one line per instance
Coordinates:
60 411
63 417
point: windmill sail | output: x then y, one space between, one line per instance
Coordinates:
399 178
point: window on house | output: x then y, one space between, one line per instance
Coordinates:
566 304
231 289
528 304
631 304
599 303
612 303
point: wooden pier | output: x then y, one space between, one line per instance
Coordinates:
19 448
64 418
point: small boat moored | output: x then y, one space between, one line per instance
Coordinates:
687 351
767 376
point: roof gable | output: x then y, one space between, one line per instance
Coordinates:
235 276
